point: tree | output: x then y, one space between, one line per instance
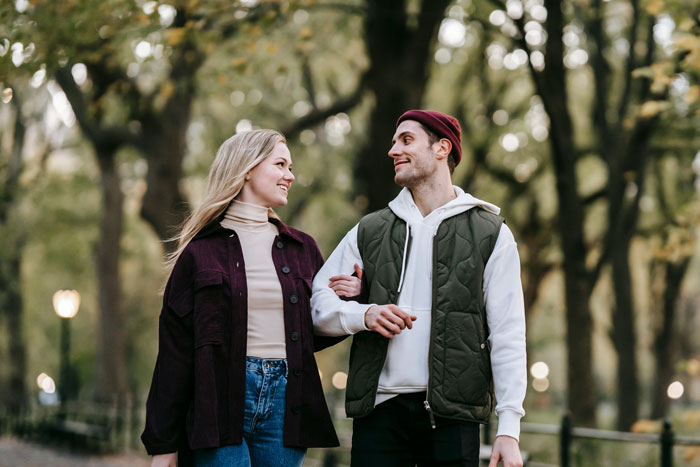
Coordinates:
11 166
621 121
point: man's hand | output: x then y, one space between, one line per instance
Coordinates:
347 286
506 449
388 320
164 460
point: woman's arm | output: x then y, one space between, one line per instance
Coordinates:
173 378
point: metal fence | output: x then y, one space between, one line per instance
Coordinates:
567 433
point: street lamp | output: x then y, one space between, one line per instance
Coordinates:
66 304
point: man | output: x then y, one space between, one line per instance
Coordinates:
444 312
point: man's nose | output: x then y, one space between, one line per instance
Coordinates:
394 151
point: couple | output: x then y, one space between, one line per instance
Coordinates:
437 318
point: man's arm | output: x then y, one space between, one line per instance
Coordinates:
505 314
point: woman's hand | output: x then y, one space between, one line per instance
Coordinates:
164 460
347 286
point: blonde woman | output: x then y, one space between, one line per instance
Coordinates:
235 382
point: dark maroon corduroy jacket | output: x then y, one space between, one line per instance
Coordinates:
197 394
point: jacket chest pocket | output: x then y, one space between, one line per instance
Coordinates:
209 308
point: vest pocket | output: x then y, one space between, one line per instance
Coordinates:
466 362
208 308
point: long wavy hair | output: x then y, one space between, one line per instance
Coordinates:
237 156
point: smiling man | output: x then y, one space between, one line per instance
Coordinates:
441 329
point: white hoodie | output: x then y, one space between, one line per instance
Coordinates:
406 367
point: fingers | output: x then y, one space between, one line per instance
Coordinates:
407 320
358 271
388 320
340 277
345 286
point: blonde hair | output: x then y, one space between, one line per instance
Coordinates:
237 156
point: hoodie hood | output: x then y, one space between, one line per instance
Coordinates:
405 208
424 228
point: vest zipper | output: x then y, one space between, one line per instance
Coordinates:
430 413
426 403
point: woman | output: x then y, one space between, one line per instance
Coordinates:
236 381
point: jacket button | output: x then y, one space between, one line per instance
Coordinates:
279 245
295 336
293 299
285 269
297 372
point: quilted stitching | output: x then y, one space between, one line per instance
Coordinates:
460 369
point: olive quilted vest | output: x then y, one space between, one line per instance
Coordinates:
460 384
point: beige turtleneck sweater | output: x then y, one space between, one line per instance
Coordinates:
265 305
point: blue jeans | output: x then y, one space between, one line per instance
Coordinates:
263 424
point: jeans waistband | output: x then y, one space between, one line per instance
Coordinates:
266 365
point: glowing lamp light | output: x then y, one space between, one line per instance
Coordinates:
66 303
540 384
339 380
40 380
675 390
48 385
539 370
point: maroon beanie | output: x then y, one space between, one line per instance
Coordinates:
442 125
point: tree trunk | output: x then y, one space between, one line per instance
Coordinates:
163 206
551 86
400 56
665 354
11 306
12 246
111 380
624 339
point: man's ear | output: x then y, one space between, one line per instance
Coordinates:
444 147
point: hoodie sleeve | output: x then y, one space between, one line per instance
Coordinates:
505 312
333 316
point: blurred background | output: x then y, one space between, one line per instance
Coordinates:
580 118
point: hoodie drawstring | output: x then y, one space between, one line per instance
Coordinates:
405 257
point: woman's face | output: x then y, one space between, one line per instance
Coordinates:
269 182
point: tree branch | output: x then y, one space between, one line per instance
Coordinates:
315 117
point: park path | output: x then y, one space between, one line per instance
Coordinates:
19 453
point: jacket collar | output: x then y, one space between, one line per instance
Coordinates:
214 227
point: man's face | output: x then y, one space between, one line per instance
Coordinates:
413 155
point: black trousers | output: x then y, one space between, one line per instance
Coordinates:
398 433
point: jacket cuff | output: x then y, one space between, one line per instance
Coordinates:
509 424
353 317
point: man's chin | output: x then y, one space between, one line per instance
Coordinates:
402 180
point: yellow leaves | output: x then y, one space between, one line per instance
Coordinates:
238 62
654 7
652 108
175 35
661 75
692 95
679 245
167 89
272 49
222 79
689 44
305 33
646 426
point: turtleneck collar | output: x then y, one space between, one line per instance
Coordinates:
246 216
